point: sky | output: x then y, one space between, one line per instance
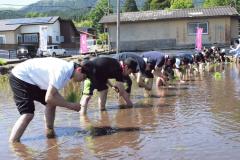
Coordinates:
16 2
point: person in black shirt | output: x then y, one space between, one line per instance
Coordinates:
142 69
161 66
102 69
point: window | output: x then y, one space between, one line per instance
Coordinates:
19 38
50 39
192 27
55 47
2 39
30 38
61 38
57 38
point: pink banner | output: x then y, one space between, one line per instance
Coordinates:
199 39
83 43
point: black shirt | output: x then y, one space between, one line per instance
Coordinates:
154 57
124 55
105 68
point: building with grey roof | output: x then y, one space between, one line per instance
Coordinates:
14 32
171 29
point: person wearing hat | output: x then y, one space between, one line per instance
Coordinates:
160 65
142 71
103 69
40 79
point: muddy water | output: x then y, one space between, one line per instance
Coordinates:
198 120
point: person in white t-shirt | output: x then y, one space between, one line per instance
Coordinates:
39 80
235 49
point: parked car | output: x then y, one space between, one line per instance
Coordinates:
52 50
26 51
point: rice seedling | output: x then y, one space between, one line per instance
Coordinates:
217 75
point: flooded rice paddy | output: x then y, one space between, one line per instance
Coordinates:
197 120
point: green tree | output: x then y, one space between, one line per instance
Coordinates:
212 3
180 4
35 14
130 6
84 23
103 38
146 5
159 4
97 13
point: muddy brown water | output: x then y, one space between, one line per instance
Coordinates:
198 120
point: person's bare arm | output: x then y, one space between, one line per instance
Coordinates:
123 93
141 82
54 98
112 86
157 71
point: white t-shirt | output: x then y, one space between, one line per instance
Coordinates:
235 50
43 72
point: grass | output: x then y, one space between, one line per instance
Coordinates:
2 62
72 97
3 79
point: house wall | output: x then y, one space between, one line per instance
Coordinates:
71 36
170 34
234 28
9 37
53 30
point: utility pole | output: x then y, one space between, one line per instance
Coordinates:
118 27
108 39
108 7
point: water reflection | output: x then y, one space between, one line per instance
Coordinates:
105 134
22 151
182 121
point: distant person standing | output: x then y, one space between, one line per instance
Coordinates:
235 49
39 80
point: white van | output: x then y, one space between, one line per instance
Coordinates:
52 50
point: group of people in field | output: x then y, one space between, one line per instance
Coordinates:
40 79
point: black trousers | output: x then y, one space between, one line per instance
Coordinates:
24 95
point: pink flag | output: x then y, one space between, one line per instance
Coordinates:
199 39
83 43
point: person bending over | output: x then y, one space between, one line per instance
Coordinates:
39 80
103 69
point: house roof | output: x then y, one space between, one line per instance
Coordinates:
13 24
171 14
